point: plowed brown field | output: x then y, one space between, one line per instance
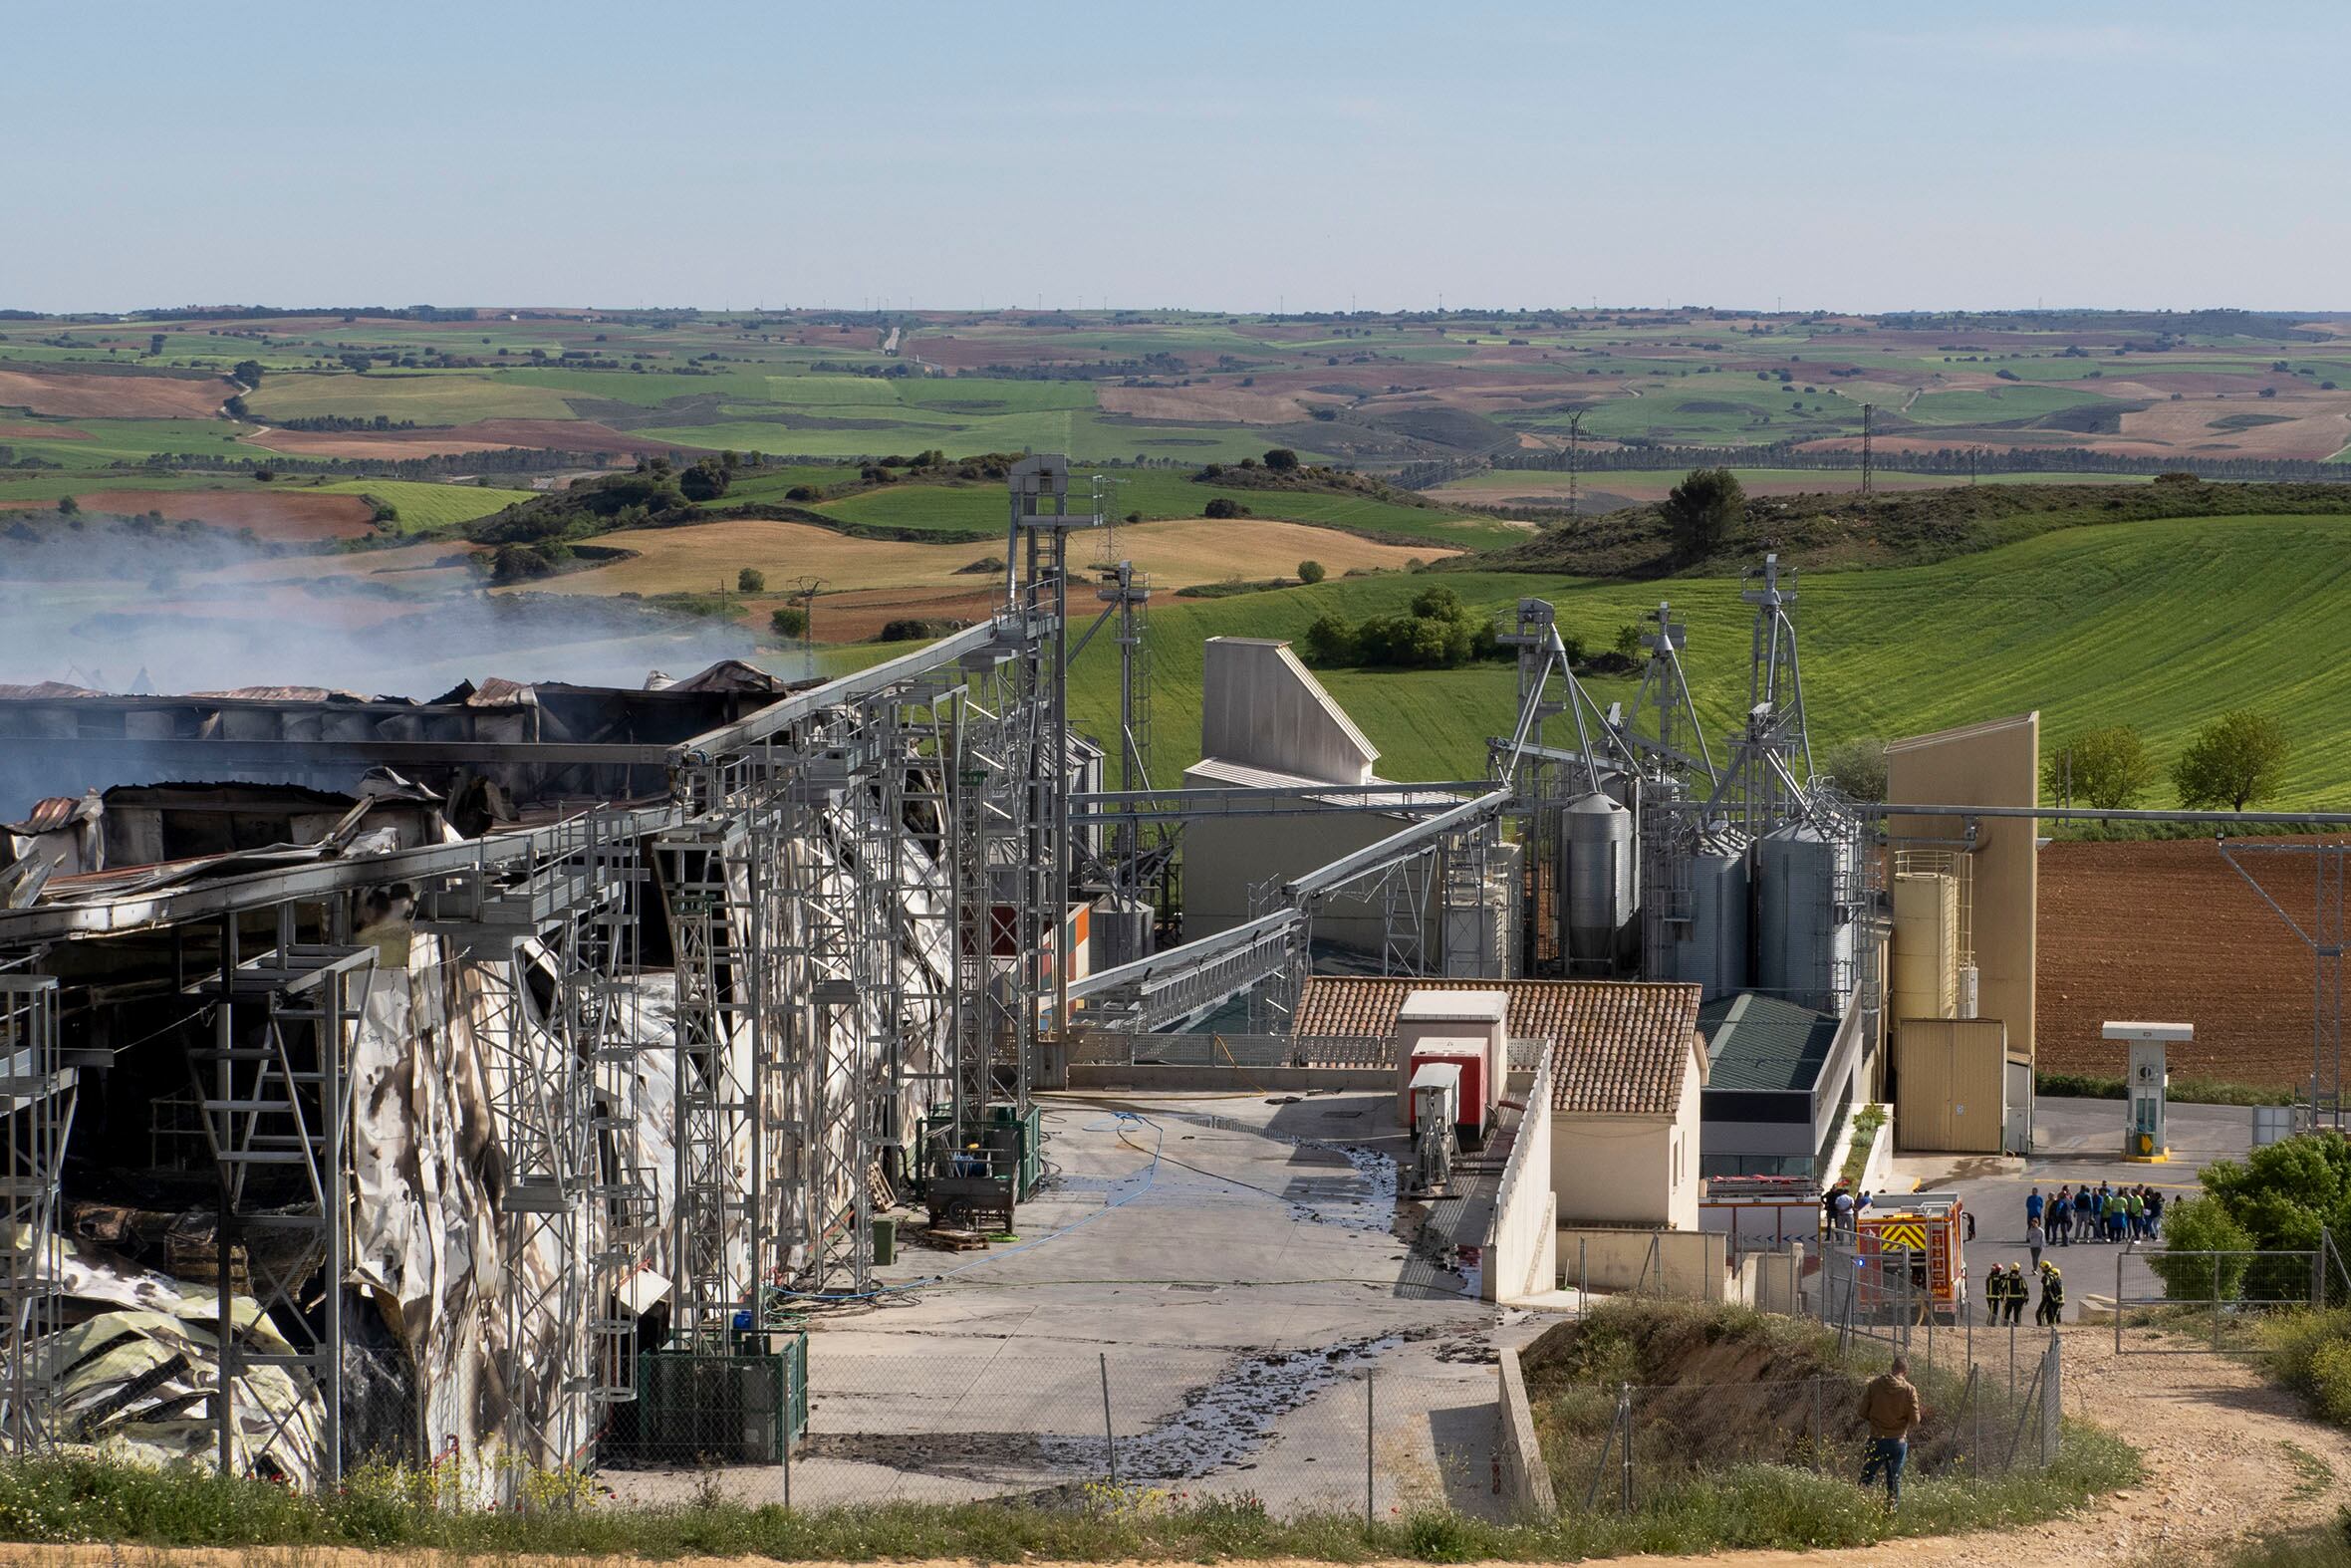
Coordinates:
288 516
113 397
563 435
2171 931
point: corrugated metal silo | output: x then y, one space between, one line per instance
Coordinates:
1598 880
1803 950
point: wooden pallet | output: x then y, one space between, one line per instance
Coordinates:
951 1241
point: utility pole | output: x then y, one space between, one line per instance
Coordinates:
803 594
1868 414
1575 458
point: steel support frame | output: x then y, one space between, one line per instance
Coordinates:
276 1098
2324 936
37 1101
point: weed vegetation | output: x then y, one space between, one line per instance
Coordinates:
68 1499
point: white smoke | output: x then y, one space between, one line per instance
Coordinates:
192 611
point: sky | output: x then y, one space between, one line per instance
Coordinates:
1227 157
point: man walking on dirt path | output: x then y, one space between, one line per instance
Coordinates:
1890 1407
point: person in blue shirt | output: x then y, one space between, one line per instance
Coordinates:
2032 1204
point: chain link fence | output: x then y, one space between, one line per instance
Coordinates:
1324 1432
1374 1429
2176 1301
1618 1447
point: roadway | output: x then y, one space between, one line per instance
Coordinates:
2075 1141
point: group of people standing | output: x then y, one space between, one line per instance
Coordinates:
2101 1214
2005 1291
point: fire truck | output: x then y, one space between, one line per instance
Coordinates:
1925 1231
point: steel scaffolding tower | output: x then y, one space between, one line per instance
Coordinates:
37 1098
276 1108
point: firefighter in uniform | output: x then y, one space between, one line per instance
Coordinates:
2018 1294
1995 1294
2052 1296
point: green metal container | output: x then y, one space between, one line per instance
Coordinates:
743 1407
884 1238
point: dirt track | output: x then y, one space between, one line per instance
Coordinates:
2213 1437
2171 930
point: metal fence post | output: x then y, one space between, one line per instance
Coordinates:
2216 1298
1110 1438
1369 1518
2118 1304
2052 1400
1820 1427
1624 1403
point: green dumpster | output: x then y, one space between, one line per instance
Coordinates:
885 1239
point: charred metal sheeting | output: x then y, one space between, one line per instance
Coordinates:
536 740
414 1139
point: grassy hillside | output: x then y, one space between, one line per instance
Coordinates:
425 506
1824 530
2155 624
976 509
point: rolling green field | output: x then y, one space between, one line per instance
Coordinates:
1497 486
123 443
977 509
427 506
1995 405
426 397
2157 625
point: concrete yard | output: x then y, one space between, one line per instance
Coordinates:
1235 1308
2076 1141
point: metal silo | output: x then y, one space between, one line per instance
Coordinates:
1597 847
1803 947
1711 948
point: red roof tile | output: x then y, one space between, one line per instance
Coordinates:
1618 1046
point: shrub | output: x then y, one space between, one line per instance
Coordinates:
1224 506
2330 1380
1330 640
2201 1224
1282 460
750 579
804 492
1311 572
791 620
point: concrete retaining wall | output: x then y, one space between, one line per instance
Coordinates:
1527 1480
1682 1265
1522 1253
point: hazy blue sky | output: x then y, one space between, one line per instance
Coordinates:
1226 156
